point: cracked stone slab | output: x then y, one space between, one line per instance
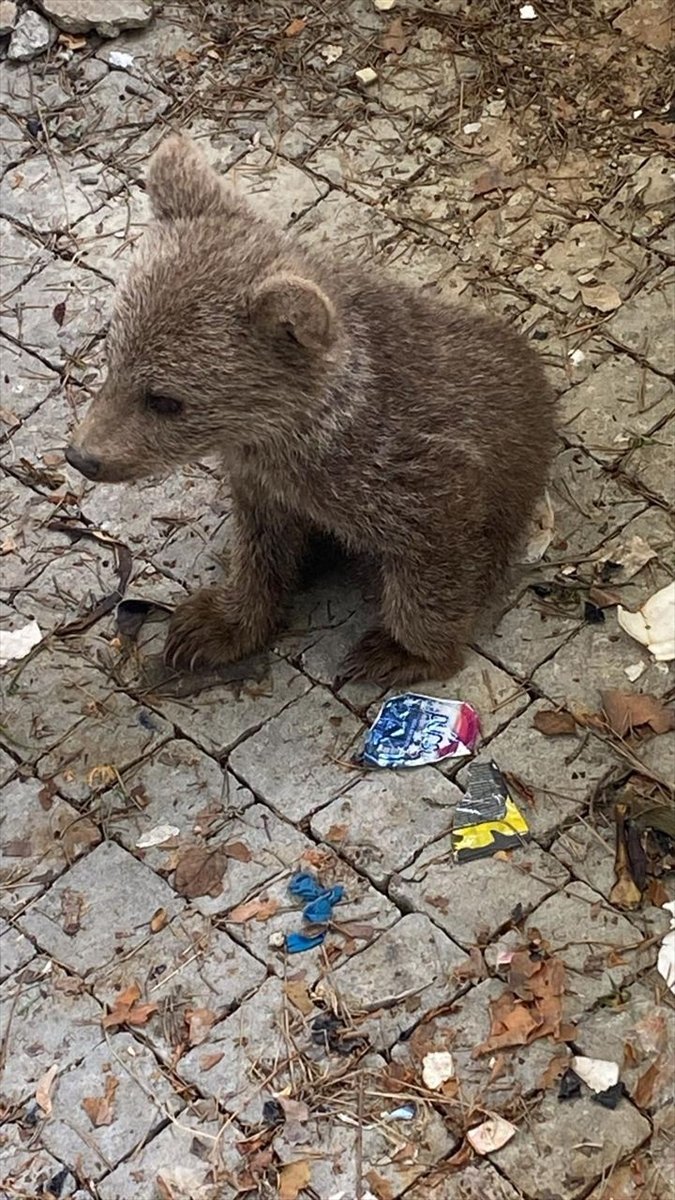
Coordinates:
115 733
141 1097
496 697
15 950
408 971
595 659
558 775
639 1035
85 16
187 966
652 530
35 448
474 901
501 237
299 760
191 1151
41 837
46 1017
357 922
29 543
589 506
218 718
568 350
98 910
28 1170
110 114
423 82
645 202
81 301
105 240
51 194
644 465
615 406
645 324
576 1142
588 854
414 807
7 766
277 190
527 633
342 223
368 160
20 257
652 1162
27 382
477 1181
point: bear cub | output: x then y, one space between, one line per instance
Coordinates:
341 402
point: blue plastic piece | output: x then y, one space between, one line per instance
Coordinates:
320 911
297 942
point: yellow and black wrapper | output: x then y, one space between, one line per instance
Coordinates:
486 819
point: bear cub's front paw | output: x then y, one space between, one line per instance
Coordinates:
204 632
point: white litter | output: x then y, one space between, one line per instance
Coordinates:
528 12
366 75
437 1068
635 670
577 357
598 1074
118 58
665 963
17 643
472 127
653 625
155 837
491 1135
633 557
541 531
331 53
384 5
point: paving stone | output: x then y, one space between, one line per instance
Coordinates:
588 504
588 854
414 807
407 972
95 15
342 223
41 837
644 324
595 659
116 733
29 1171
639 1035
423 82
188 966
475 901
20 258
299 760
650 1166
479 1181
658 754
433 268
592 252
140 1097
81 300
559 775
356 923
644 202
277 190
391 1157
527 634
652 528
12 145
105 240
503 237
463 1029
617 404
46 1017
588 935
26 382
15 950
368 160
570 351
35 450
29 544
32 35
110 114
7 767
190 1152
47 194
219 718
645 464
100 909
575 1142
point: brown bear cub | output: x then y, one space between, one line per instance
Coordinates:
341 402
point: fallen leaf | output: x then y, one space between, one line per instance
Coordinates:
185 57
72 910
489 181
298 994
626 711
126 1011
380 1187
200 872
356 929
158 920
601 296
296 26
99 1109
253 910
43 1089
337 833
553 723
59 312
394 40
491 1135
541 530
199 1022
17 848
71 42
293 1177
210 1060
8 546
294 1110
604 597
238 851
646 1086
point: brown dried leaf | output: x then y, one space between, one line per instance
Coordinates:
99 1109
72 42
158 920
210 1060
296 26
238 851
17 848
200 872
294 1110
357 929
126 1011
298 994
199 1022
43 1090
490 181
646 1086
253 910
293 1177
337 833
604 597
395 40
601 296
379 1186
628 710
554 724
72 909
58 313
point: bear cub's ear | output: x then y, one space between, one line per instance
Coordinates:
181 184
289 305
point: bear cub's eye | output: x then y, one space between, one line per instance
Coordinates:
166 405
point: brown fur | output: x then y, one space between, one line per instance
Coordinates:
341 402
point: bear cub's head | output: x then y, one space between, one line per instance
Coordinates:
222 333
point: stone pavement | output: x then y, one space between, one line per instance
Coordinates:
156 1041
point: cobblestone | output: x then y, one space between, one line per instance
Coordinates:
237 1060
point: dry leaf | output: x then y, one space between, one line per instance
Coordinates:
199 1022
253 910
72 42
59 312
210 1060
158 920
200 872
604 597
553 723
601 296
646 1086
298 994
296 26
185 57
628 710
294 1110
72 909
238 851
44 1088
126 1011
17 848
357 929
337 833
99 1109
380 1187
490 181
293 1177
394 41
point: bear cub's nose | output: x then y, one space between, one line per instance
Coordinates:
84 463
